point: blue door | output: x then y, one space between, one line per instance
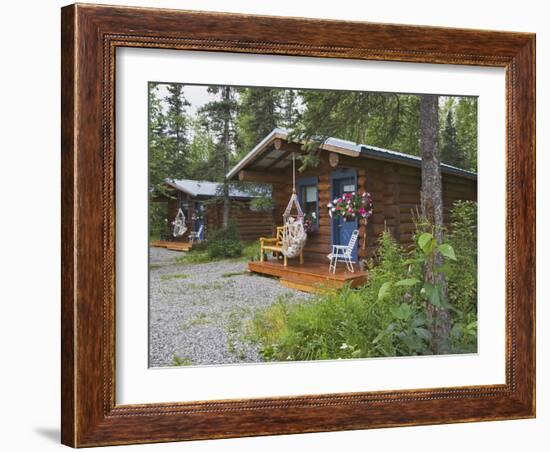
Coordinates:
343 181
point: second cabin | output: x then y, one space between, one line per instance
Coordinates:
392 178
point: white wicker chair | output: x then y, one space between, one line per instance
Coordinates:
343 253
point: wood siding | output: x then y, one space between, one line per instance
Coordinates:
251 225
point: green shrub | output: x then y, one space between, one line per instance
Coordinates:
158 224
251 251
225 242
462 283
462 278
200 246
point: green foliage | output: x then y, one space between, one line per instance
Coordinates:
168 136
386 120
466 129
259 113
262 204
225 242
194 257
178 361
387 316
450 150
350 323
219 119
462 277
251 251
158 224
170 277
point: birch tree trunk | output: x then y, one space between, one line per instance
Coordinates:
431 203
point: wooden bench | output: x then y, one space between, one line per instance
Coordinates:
275 245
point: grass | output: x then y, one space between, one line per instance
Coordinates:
329 326
235 333
176 276
194 257
199 320
250 252
177 361
229 275
154 266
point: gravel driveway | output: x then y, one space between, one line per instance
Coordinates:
197 312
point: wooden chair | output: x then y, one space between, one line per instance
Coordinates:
343 253
275 245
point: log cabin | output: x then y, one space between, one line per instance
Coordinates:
203 209
393 179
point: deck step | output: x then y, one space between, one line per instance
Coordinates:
303 286
309 286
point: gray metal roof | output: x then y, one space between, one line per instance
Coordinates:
209 189
340 146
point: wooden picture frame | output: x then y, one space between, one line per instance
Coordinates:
90 36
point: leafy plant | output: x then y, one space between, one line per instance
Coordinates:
251 251
158 223
178 361
462 276
428 247
225 242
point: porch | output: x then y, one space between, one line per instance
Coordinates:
173 246
311 276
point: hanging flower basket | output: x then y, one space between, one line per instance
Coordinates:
311 223
351 206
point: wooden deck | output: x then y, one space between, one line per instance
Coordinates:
310 276
174 246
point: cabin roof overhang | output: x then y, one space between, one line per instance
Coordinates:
269 155
208 189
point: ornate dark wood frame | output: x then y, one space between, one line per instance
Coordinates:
90 36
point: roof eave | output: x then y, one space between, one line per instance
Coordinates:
274 134
173 184
405 160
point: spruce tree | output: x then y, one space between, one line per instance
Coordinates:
259 114
466 130
219 117
177 130
450 150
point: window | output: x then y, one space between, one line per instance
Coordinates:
309 199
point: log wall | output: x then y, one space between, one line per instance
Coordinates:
251 225
395 189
